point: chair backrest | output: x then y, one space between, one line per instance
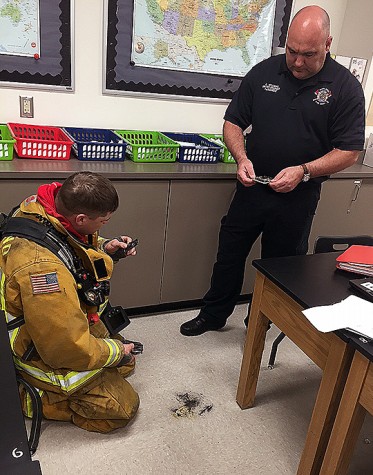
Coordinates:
340 243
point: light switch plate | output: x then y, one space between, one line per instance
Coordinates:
26 104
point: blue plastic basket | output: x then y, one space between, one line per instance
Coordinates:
194 148
225 155
97 144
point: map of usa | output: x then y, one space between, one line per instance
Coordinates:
212 36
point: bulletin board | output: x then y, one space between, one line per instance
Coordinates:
122 75
53 67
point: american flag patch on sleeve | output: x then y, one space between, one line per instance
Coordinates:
44 283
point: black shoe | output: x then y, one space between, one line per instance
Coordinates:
199 325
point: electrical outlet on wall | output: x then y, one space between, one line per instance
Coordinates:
26 104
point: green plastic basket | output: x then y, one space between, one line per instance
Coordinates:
148 146
225 155
6 143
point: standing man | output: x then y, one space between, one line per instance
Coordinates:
54 283
307 120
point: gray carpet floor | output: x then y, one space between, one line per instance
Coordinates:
189 421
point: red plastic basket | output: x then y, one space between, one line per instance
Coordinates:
40 142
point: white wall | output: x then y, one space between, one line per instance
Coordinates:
89 108
336 10
358 37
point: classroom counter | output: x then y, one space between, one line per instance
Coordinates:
26 169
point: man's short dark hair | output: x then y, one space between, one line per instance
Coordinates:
88 193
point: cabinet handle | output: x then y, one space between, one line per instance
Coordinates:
355 194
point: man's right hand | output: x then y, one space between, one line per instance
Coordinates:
127 348
127 356
234 140
245 172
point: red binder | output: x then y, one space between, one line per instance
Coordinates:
358 259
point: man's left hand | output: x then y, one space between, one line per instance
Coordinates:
287 179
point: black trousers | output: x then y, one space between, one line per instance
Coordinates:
282 219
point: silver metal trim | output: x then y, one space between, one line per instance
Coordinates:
48 87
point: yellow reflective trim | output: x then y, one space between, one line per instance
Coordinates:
7 240
35 372
28 405
2 291
6 244
12 333
115 351
68 383
102 307
28 402
8 316
75 379
111 352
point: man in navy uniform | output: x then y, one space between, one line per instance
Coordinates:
307 120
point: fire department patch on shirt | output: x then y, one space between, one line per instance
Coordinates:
44 283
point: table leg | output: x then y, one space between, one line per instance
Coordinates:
254 346
326 406
350 418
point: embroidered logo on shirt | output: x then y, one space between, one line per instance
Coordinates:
44 283
271 87
322 96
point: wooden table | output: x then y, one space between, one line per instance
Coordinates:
357 400
283 288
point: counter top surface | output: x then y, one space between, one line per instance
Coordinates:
27 169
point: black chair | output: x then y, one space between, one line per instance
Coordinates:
324 244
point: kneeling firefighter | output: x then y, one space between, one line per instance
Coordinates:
55 273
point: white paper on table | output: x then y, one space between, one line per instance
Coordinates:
353 313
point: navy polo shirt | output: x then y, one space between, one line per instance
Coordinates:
296 121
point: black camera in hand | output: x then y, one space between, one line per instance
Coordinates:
138 347
136 350
120 253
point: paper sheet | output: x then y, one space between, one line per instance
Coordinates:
353 313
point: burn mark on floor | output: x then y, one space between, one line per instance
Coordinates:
191 404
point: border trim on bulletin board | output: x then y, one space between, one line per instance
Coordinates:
54 69
122 76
